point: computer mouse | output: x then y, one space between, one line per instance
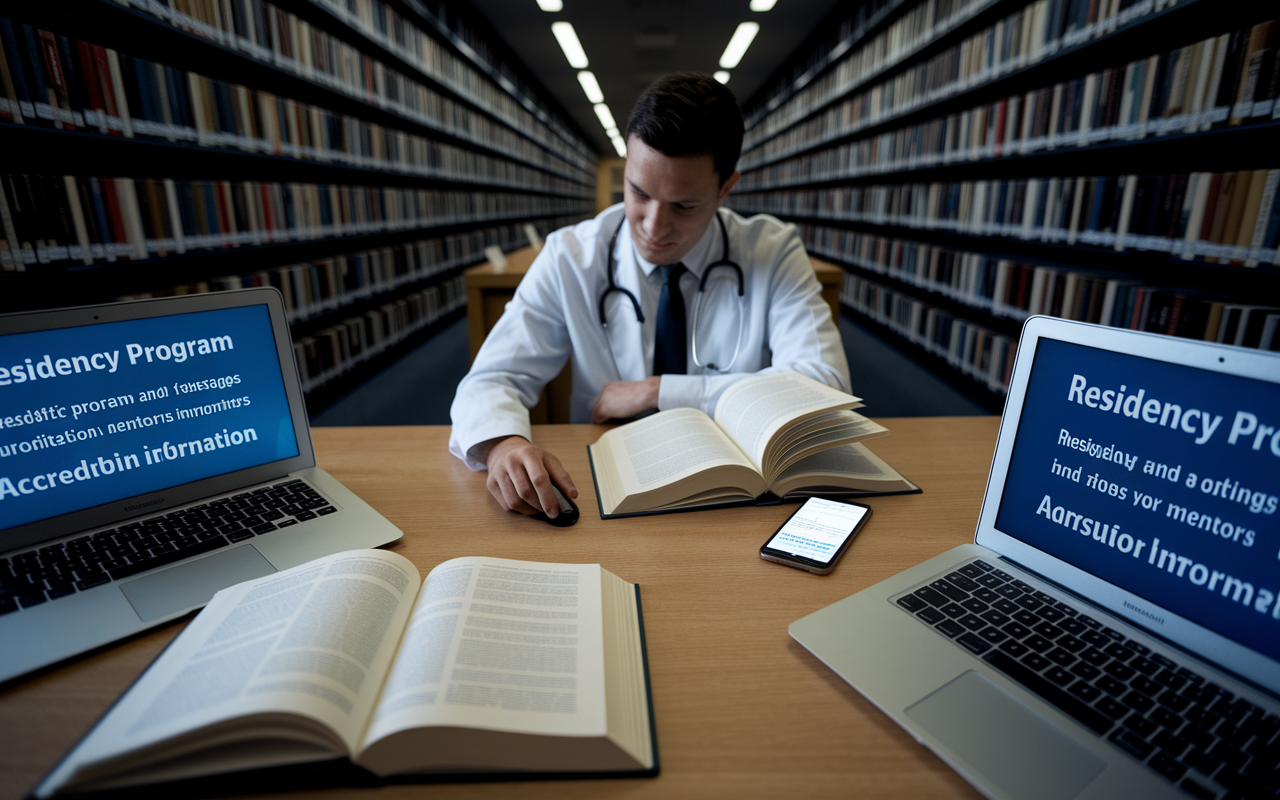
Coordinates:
568 511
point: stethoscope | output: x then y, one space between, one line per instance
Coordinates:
697 304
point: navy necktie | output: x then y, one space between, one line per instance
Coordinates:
669 343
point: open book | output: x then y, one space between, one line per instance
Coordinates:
773 435
492 665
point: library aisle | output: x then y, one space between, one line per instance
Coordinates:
967 163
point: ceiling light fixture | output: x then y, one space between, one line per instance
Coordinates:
591 86
605 117
738 44
756 5
572 48
721 75
619 146
558 5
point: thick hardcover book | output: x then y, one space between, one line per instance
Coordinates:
353 668
773 437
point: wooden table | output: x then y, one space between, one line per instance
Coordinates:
490 289
741 709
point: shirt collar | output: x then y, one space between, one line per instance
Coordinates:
694 261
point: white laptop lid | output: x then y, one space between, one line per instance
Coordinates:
1142 472
107 412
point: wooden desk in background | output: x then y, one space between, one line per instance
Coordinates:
741 709
488 292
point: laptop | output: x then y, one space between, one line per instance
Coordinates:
152 453
1114 631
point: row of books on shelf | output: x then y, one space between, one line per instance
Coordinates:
1018 289
857 60
52 80
73 85
1027 36
331 352
381 22
275 36
324 285
47 219
842 33
975 350
1225 80
1231 217
793 98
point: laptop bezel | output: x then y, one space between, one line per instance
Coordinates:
158 501
1200 641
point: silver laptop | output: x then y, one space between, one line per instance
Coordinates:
1114 632
152 453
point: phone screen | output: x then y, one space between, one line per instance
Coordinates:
818 529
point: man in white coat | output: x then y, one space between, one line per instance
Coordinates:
679 324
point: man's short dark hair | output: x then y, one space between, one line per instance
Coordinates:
688 113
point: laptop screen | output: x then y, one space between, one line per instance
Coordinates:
97 413
1158 478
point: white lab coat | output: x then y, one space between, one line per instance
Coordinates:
555 314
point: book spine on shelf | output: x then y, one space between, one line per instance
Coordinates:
144 218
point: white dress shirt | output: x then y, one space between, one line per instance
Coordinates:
780 323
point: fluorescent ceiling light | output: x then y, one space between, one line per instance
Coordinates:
756 5
591 86
572 48
721 75
612 133
738 44
619 146
606 119
558 5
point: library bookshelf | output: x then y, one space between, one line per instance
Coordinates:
973 162
355 154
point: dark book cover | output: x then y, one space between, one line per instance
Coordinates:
1225 96
98 200
1166 66
59 210
1194 318
133 72
17 71
94 218
1253 320
1146 204
76 96
1100 213
1170 222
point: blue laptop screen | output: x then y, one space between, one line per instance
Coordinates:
1156 477
95 414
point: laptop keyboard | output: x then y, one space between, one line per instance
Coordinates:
61 570
1195 733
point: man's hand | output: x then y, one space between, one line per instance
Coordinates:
521 474
623 399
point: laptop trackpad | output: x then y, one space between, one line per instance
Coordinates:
1004 741
193 583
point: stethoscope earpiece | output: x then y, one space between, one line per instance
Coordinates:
697 305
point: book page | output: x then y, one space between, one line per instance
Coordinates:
754 410
819 433
666 447
500 645
314 641
848 466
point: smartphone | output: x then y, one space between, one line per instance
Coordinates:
814 538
